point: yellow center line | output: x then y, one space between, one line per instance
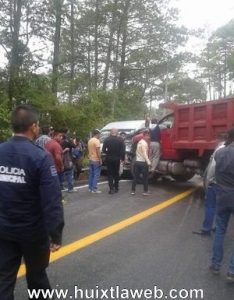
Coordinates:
97 236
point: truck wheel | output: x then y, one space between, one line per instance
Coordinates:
183 177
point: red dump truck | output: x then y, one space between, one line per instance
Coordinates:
190 134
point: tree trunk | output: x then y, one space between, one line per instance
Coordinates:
57 35
166 83
96 44
110 44
116 56
225 73
220 82
72 71
14 57
124 44
89 64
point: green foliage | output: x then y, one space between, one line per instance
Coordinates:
35 89
185 89
5 131
95 110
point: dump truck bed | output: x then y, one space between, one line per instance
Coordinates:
198 126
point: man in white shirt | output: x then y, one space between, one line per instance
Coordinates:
141 166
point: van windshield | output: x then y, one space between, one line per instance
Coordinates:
106 133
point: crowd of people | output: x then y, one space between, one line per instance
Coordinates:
67 151
32 181
145 157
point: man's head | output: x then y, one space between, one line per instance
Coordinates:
25 120
114 132
96 133
230 136
123 135
58 135
154 120
45 130
146 135
77 141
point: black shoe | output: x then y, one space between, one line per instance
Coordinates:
116 190
202 233
215 270
230 277
111 192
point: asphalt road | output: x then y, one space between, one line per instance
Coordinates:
158 252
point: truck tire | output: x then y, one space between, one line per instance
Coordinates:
183 177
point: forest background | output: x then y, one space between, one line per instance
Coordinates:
84 63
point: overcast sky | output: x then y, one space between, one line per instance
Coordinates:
209 13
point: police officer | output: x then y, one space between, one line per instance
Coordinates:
31 213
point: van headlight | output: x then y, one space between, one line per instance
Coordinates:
128 147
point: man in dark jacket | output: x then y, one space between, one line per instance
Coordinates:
224 174
31 213
114 148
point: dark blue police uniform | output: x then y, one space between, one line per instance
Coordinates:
31 213
224 174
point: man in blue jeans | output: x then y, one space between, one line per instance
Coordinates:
95 161
210 198
224 174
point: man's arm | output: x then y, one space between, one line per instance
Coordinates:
98 151
51 204
59 160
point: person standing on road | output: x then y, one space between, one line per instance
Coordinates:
142 163
224 174
31 212
68 174
54 147
77 156
114 148
210 197
95 161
